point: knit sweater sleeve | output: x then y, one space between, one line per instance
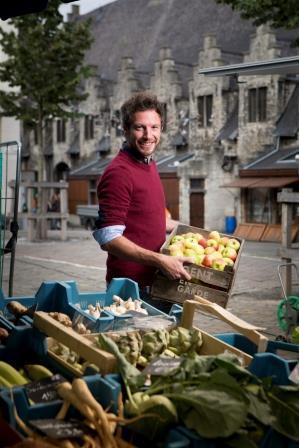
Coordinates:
114 194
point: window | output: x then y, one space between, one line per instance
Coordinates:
204 107
88 127
60 131
257 104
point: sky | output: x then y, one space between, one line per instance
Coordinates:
85 5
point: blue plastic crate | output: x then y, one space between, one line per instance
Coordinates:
104 391
57 296
269 363
122 287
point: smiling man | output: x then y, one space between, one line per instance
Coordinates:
132 226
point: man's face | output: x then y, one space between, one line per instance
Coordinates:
145 132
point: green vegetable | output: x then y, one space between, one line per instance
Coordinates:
182 340
159 414
154 343
295 335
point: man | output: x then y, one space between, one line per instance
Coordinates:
132 226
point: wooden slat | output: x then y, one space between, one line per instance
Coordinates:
250 231
75 341
273 233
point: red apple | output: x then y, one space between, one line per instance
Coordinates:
218 264
232 242
224 240
207 261
229 252
202 242
214 235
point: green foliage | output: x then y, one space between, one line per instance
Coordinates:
44 65
279 14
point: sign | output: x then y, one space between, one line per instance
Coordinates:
45 389
59 429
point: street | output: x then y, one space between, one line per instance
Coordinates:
254 298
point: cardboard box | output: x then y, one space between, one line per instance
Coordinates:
206 282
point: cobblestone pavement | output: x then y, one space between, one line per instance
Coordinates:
254 298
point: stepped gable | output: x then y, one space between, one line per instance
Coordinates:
139 28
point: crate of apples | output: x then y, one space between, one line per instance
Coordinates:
212 251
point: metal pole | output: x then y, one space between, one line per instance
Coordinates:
14 224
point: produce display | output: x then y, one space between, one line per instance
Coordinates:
10 377
98 429
212 395
118 307
140 348
216 251
70 357
169 384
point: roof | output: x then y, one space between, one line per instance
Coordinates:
92 168
262 182
170 163
140 28
284 65
165 164
278 161
288 123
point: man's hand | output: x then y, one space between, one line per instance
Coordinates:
173 267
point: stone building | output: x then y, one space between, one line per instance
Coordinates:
216 127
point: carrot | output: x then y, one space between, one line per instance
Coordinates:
65 391
83 393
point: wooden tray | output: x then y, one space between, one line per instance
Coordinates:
59 360
106 362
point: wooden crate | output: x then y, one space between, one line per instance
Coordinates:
86 347
206 282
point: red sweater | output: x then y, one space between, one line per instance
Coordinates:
130 193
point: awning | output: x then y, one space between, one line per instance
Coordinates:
262 182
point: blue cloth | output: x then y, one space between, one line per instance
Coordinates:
103 236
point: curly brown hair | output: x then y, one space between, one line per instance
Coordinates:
140 102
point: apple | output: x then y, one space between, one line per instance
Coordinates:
213 243
176 251
202 242
224 240
220 248
188 252
232 242
197 236
218 264
176 239
198 249
229 261
207 261
199 258
190 242
214 235
188 235
229 252
209 250
216 254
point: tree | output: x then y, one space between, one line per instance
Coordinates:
44 67
279 14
